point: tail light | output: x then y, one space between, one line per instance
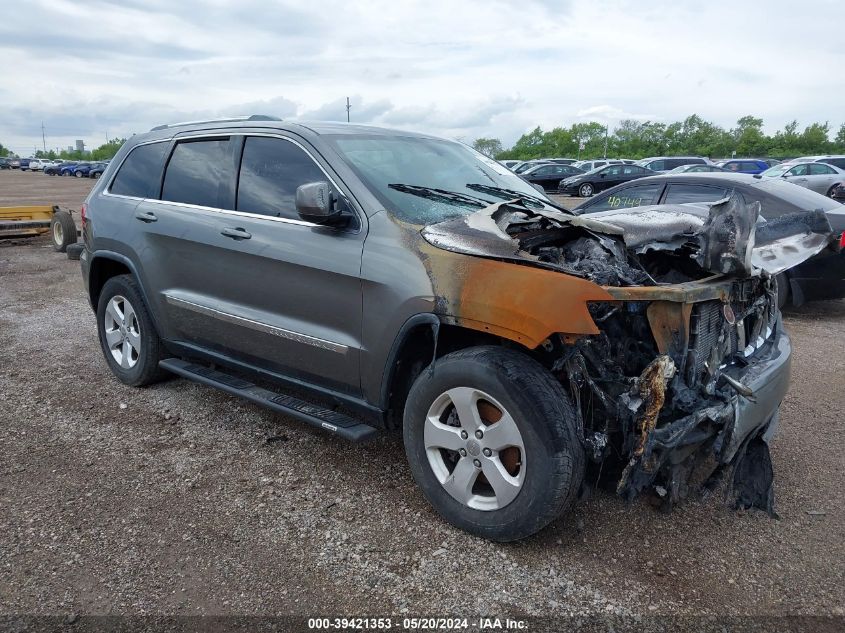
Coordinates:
842 240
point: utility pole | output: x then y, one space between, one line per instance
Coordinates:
43 138
348 107
605 141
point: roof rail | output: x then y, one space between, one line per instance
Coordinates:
252 117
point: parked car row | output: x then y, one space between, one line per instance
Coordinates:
79 169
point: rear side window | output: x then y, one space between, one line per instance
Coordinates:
140 173
271 170
198 171
820 169
683 193
634 196
836 162
657 165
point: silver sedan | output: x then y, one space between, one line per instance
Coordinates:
820 177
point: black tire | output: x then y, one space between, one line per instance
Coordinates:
554 457
96 175
586 190
146 370
78 174
62 231
783 290
74 251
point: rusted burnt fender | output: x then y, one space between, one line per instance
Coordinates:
519 303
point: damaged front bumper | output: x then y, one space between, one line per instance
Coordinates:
721 433
684 386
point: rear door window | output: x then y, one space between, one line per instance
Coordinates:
140 174
681 193
634 196
271 170
199 172
657 165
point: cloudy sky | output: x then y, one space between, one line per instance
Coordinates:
96 69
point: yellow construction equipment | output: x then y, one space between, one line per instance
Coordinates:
30 221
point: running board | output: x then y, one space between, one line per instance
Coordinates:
340 424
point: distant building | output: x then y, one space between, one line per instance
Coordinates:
80 145
70 148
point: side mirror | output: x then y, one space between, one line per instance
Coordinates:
315 203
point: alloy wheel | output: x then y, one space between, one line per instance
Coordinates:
474 448
122 331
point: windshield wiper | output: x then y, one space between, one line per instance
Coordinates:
509 194
440 195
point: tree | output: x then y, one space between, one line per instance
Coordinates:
490 147
4 151
694 135
749 139
840 137
108 150
814 139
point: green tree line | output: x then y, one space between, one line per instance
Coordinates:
692 136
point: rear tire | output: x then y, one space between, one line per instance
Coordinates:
62 231
585 190
78 174
128 337
503 393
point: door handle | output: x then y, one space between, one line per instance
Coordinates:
146 216
236 233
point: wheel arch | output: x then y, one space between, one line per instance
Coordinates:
421 340
105 265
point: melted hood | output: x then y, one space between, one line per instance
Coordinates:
646 245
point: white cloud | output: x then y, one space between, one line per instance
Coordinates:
460 69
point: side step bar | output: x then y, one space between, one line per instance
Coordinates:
338 423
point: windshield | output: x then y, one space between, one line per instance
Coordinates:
777 170
396 168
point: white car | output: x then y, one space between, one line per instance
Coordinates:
37 164
820 177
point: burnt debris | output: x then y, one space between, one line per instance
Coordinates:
666 390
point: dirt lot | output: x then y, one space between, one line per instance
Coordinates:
32 187
178 499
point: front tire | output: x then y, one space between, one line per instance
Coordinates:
491 440
127 335
585 190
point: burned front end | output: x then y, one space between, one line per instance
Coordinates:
680 376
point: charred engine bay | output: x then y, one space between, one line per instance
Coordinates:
662 411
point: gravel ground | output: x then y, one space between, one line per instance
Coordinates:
178 499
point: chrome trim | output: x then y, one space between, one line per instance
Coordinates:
257 325
245 214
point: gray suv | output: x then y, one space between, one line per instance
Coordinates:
361 279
